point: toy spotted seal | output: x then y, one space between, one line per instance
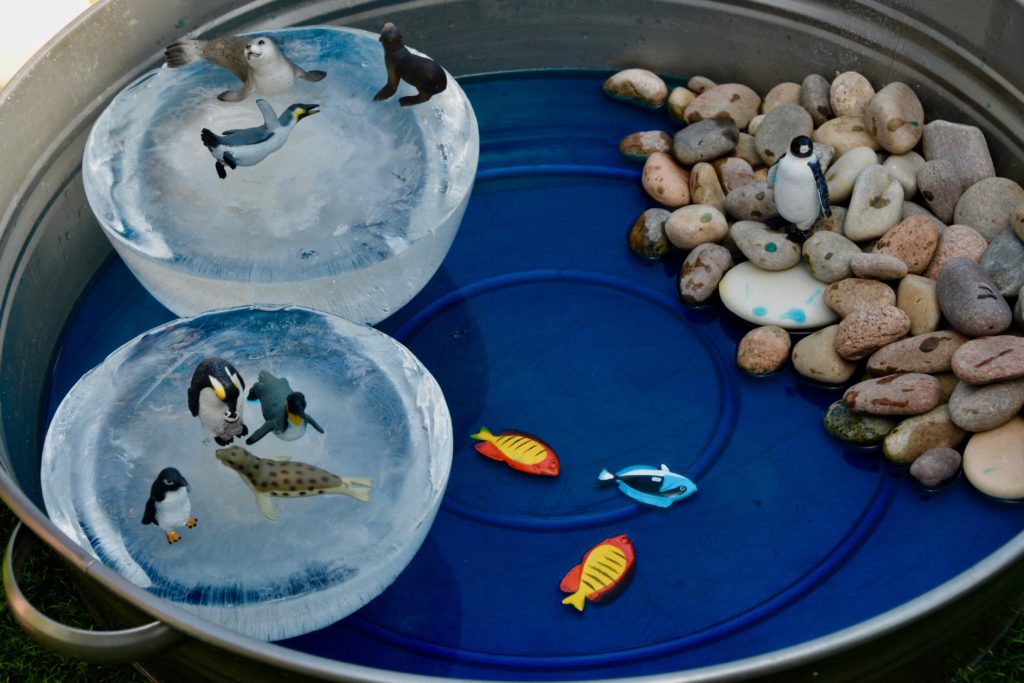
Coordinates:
256 60
420 72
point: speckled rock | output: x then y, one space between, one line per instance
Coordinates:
990 359
904 168
1003 261
994 460
845 133
640 145
877 267
986 205
695 224
814 97
969 299
863 332
732 101
912 241
856 294
704 141
894 395
701 272
964 146
915 435
956 240
778 129
841 177
763 350
850 93
875 205
704 186
678 100
833 223
935 467
980 408
931 353
827 256
746 149
666 181
855 428
917 296
647 237
733 173
767 249
699 84
751 202
637 86
783 93
913 209
896 118
940 187
815 357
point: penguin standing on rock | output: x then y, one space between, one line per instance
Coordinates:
283 409
250 146
168 506
213 397
420 72
801 194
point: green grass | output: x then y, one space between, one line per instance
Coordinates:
47 584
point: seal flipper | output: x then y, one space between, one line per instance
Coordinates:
266 505
236 95
312 76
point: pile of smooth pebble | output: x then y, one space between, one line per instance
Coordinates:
921 262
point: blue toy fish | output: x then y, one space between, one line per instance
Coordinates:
651 486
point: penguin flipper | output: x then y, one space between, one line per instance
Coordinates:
221 173
313 424
229 160
267 427
149 516
819 180
270 119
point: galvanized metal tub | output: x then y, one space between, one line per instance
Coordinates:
962 62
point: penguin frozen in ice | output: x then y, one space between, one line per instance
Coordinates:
283 409
801 194
250 146
168 506
420 72
214 397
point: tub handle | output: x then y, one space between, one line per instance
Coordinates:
102 647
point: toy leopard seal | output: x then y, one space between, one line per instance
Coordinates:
420 72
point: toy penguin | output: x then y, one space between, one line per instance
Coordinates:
250 146
283 409
213 397
168 505
801 194
422 73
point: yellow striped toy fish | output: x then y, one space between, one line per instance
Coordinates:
518 450
603 570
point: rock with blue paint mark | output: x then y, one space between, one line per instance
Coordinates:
767 249
791 299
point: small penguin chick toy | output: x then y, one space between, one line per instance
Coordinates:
168 506
801 194
257 61
422 73
250 146
213 397
283 409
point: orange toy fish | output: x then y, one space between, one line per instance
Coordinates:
602 571
518 450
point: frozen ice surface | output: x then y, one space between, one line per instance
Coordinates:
353 215
384 417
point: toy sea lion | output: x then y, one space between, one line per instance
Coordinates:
256 60
422 73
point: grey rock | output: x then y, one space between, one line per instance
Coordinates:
964 146
895 118
815 357
828 254
904 168
751 202
778 129
842 176
1018 310
980 408
850 93
834 223
940 187
825 154
638 146
1017 220
969 299
987 204
863 430
875 206
702 271
935 466
917 434
647 237
704 141
877 266
1003 261
766 249
814 97
912 209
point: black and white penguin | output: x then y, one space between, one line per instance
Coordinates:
283 409
168 506
250 146
801 194
214 397
420 72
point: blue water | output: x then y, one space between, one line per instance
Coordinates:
541 320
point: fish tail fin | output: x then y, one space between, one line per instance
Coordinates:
577 600
357 487
483 435
605 476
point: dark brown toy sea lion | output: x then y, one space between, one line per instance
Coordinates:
422 73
